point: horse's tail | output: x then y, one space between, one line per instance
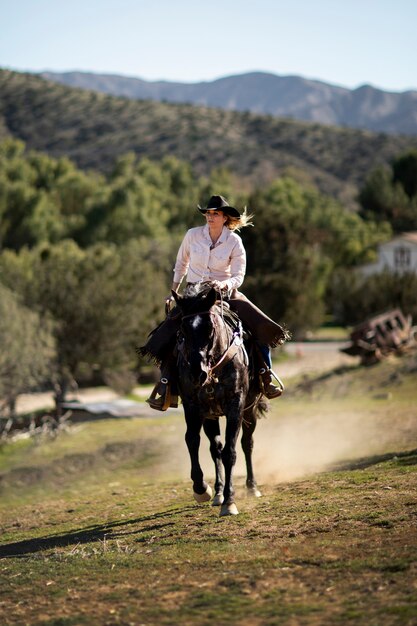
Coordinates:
257 409
261 408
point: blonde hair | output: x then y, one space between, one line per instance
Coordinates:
236 223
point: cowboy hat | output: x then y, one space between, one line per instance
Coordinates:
218 203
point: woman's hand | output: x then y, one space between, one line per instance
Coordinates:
218 285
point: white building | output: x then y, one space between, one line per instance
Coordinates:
398 255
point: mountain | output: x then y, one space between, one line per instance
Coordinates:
94 129
259 92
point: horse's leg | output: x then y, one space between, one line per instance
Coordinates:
248 428
212 430
202 491
229 458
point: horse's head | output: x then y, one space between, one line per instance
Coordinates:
197 331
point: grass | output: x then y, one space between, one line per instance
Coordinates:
117 539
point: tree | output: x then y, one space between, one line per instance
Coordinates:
299 238
102 300
141 198
42 200
356 297
27 350
390 193
404 170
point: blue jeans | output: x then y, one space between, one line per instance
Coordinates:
266 353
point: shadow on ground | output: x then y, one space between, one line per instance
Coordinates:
404 458
90 534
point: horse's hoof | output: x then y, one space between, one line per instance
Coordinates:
228 509
217 500
203 497
254 492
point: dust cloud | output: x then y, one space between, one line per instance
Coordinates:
291 448
299 444
301 437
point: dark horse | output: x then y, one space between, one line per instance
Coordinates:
213 380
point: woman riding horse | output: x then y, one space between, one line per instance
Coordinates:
214 380
214 253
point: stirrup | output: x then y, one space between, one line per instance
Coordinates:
278 390
166 400
162 403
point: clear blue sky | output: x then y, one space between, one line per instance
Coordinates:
345 42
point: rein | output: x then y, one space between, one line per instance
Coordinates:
227 356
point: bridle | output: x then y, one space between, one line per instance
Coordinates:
232 349
235 344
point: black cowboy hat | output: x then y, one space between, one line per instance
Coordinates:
218 203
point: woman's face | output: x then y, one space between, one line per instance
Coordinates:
215 218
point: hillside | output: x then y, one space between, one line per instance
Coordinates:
94 129
99 526
259 92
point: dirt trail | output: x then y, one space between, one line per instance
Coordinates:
318 357
35 401
304 358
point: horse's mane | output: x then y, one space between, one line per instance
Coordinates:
196 290
192 290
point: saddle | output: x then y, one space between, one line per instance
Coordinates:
163 347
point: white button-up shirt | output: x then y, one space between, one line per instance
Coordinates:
226 262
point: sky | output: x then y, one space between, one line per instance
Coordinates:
342 42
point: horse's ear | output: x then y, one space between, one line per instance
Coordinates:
176 296
211 298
